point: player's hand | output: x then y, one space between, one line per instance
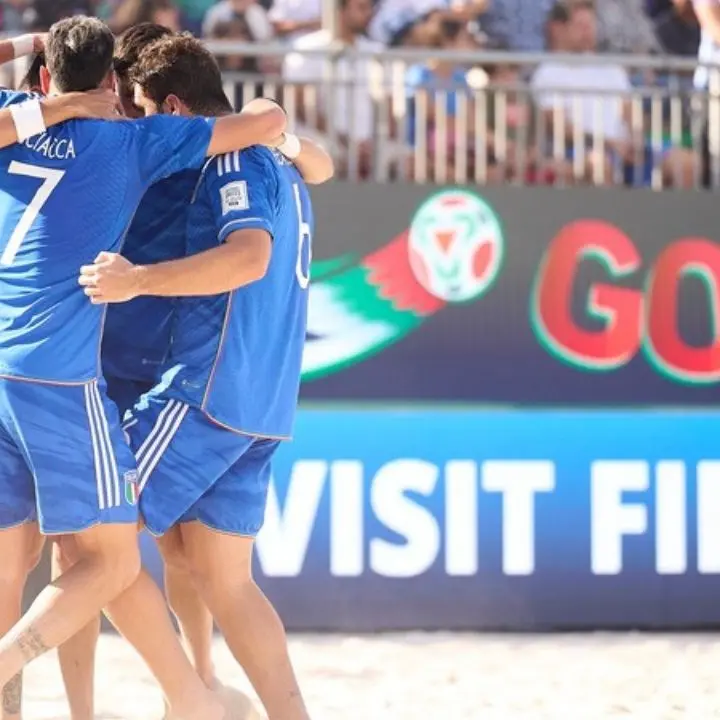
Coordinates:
110 279
39 40
94 105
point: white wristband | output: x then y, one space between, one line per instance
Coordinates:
28 119
23 45
290 146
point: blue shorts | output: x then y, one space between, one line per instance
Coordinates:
64 460
125 393
191 469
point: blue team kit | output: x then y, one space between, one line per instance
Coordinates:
205 435
65 196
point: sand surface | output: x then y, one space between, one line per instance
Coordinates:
445 677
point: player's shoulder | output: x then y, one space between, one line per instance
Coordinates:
254 160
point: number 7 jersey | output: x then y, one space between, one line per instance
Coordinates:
238 356
65 196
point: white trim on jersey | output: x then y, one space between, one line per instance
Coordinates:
157 441
106 471
228 163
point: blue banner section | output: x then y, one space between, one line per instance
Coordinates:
473 519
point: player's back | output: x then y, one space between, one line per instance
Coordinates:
65 196
137 333
239 355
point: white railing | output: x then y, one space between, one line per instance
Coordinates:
491 127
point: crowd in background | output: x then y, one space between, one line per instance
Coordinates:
526 111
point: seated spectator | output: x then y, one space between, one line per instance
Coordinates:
410 30
344 109
394 14
292 19
624 27
676 26
585 101
132 12
254 15
438 92
238 27
518 25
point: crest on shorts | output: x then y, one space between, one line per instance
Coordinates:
132 487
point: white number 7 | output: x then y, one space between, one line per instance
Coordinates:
50 179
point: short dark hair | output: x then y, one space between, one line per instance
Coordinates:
559 13
133 41
79 53
181 65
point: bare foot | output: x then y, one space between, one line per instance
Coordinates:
237 704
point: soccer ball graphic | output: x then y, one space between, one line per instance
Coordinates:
455 245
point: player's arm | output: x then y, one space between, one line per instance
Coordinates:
243 202
168 144
312 160
20 46
236 132
33 116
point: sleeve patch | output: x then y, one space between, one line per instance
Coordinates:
234 197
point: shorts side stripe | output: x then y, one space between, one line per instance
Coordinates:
114 498
107 456
171 404
162 436
90 410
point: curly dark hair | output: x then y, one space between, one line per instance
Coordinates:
133 41
180 65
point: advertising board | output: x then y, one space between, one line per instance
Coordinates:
510 295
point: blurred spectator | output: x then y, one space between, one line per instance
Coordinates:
416 31
193 12
395 22
518 24
348 101
676 26
254 15
583 100
237 27
47 12
624 27
14 15
707 79
293 18
440 109
160 12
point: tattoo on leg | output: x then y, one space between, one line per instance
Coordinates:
12 696
31 644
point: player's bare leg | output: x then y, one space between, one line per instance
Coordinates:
77 655
249 623
192 614
20 550
107 569
196 622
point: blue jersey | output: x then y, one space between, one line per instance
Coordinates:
137 333
65 196
237 356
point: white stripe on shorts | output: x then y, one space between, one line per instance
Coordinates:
114 478
106 474
161 435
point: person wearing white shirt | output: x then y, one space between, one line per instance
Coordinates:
346 104
292 19
586 98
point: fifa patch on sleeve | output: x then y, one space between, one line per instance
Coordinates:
234 197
